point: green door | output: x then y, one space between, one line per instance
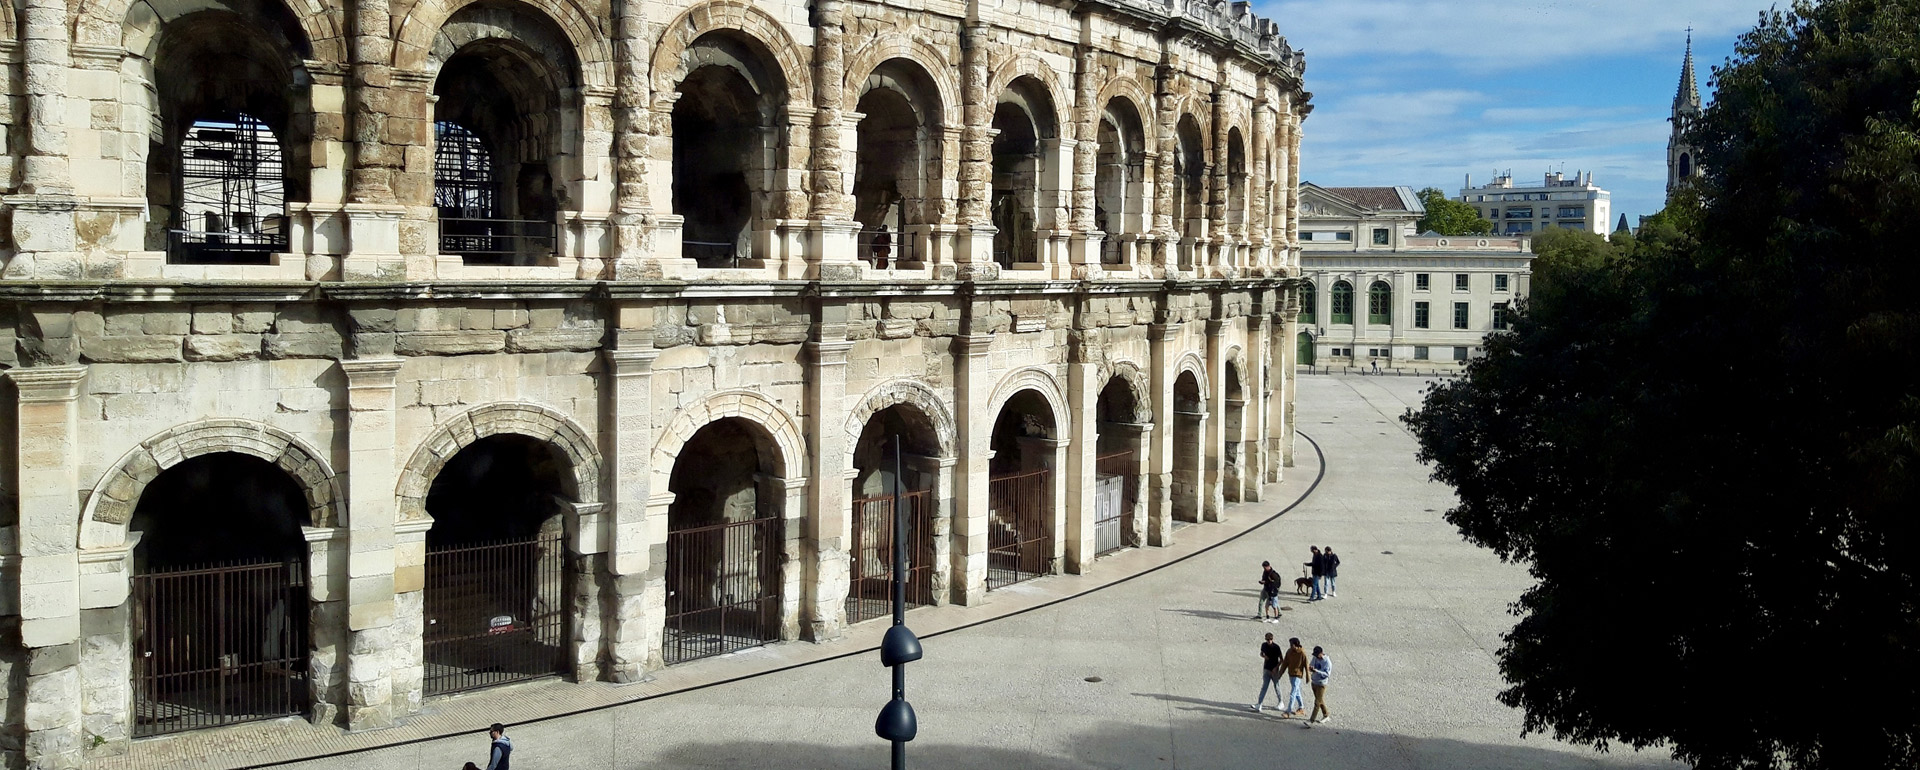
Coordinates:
1306 349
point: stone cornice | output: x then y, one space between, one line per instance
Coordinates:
42 384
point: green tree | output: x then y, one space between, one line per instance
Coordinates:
1559 253
1447 216
1707 453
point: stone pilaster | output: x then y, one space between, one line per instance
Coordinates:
1082 449
1166 233
1218 248
1213 454
1083 249
370 51
374 650
975 255
631 555
830 526
1253 452
1258 219
1159 472
831 241
632 125
45 59
48 473
944 511
1293 191
1284 425
972 410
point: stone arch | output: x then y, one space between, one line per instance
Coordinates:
413 45
104 23
910 393
1192 362
1028 65
751 406
1237 356
543 47
109 508
1127 89
520 419
1041 381
887 48
742 19
1136 379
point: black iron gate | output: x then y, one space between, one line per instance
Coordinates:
870 594
219 645
1113 498
1019 528
723 588
495 613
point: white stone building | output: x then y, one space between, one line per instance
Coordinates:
1518 209
1376 292
474 342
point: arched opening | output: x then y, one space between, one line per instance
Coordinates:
1234 461
1308 298
1342 302
1119 173
1236 183
496 593
509 97
1024 122
219 596
228 93
1189 431
896 459
1118 468
1303 347
1379 303
896 168
1020 511
725 144
1189 188
1686 165
724 546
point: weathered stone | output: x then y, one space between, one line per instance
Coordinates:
538 340
372 319
141 349
314 345
449 343
224 347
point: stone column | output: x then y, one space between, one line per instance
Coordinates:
1159 471
1253 452
830 528
1292 211
1220 244
971 411
374 652
373 218
45 60
1257 218
632 124
944 510
1285 426
628 444
1082 449
1084 243
833 229
47 418
1213 454
1167 230
974 257
793 493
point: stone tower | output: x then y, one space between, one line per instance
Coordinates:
1682 158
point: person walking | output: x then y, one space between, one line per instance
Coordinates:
501 749
1314 567
1320 669
1269 673
1296 665
1329 569
1269 593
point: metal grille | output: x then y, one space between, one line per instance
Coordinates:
233 194
1019 528
883 248
497 241
870 594
495 613
723 588
1114 495
462 173
219 645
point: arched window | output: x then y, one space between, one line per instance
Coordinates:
233 193
1343 303
1308 297
1686 165
1379 303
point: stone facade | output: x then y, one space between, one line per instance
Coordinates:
1089 254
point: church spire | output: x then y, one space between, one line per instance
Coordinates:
1689 93
1682 160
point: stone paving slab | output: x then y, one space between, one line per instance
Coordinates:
295 741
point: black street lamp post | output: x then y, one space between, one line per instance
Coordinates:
900 647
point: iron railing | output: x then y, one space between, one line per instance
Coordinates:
498 241
870 593
1019 528
496 613
723 588
1113 526
711 253
884 248
202 247
219 645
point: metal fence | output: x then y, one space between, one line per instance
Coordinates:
219 645
711 253
883 248
1114 493
723 588
1019 528
203 247
497 241
870 594
495 613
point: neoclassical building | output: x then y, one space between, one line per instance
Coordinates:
363 353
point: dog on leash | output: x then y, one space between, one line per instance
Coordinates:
1303 585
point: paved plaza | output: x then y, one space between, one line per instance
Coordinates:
1413 636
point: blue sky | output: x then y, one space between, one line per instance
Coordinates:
1424 93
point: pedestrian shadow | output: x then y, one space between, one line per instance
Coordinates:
1236 709
1210 614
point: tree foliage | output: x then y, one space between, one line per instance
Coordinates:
1705 450
1447 216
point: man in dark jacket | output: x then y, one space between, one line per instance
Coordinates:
1315 567
1269 593
1329 569
502 748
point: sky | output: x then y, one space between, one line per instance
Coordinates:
1423 93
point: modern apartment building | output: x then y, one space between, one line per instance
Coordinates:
1375 291
1558 201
